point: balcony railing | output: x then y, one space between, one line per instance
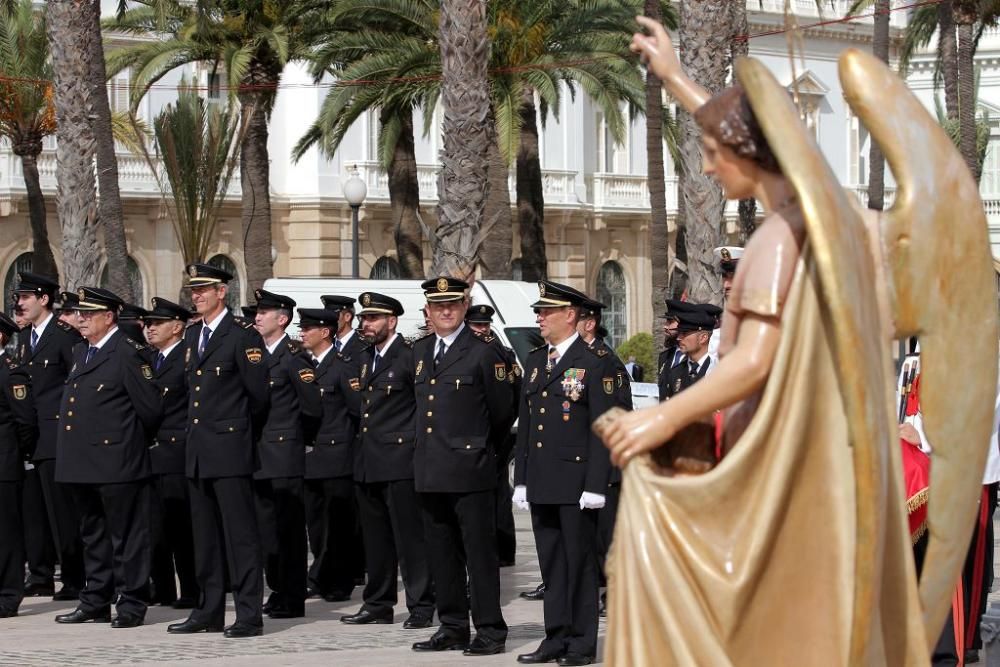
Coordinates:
831 9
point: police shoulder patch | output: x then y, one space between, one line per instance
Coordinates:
609 385
64 326
599 351
307 374
254 355
20 391
294 346
540 347
136 344
246 324
147 371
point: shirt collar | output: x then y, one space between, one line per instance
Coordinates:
562 347
272 348
450 338
166 352
99 344
40 329
214 324
385 345
322 355
346 338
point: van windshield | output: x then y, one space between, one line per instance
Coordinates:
523 340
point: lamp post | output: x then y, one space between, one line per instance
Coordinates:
355 191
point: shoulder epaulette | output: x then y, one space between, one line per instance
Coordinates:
12 363
540 347
486 338
599 351
407 342
246 324
136 344
63 325
294 346
341 357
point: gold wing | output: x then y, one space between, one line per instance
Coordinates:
839 243
940 278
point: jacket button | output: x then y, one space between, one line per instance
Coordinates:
333 442
271 383
198 372
369 387
431 397
541 427
195 420
545 394
433 381
538 444
230 429
430 430
173 439
196 404
364 430
468 446
69 414
72 399
430 414
69 428
400 441
578 458
541 411
366 415
105 442
281 438
75 385
197 388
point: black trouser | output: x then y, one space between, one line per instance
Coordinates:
11 547
281 520
224 523
459 529
64 519
393 531
38 544
332 526
606 528
945 652
117 546
565 537
173 543
506 540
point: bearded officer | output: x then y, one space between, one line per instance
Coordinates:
562 470
109 411
227 409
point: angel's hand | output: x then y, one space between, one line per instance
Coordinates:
637 432
656 49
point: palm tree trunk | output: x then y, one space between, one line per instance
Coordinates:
255 165
876 161
659 241
704 51
404 198
741 49
42 260
463 185
530 197
948 57
109 203
965 19
70 29
497 246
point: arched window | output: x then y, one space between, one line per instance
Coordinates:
611 292
517 269
135 292
234 297
22 263
385 268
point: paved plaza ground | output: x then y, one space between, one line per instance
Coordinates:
33 638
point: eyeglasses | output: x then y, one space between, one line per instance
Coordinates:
545 312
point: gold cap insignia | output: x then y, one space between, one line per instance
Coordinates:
193 271
80 293
541 289
482 309
366 299
442 284
725 254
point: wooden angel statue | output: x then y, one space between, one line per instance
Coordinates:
794 548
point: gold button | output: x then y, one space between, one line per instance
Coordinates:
538 444
271 383
541 428
69 428
72 399
230 429
369 387
541 411
433 381
364 430
333 442
105 442
197 388
430 414
75 385
366 415
400 441
195 420
545 394
431 397
468 446
281 438
69 414
173 439
578 458
196 404
430 430
198 372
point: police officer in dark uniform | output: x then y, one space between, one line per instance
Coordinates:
463 415
388 504
68 302
109 411
46 353
328 465
562 470
18 428
131 323
228 401
291 423
480 320
694 328
173 543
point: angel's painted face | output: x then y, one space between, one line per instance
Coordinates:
736 175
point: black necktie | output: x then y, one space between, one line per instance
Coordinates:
91 351
440 353
693 368
159 361
375 361
337 345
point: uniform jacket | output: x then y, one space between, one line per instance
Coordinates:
331 453
110 410
294 413
558 457
680 378
228 399
388 413
18 423
166 454
48 367
663 370
463 410
623 394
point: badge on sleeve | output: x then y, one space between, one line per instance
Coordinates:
609 385
420 366
534 374
364 371
20 391
307 374
500 371
147 372
355 384
254 355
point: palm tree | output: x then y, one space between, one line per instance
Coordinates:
741 49
27 115
250 41
876 161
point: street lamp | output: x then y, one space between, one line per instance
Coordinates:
355 191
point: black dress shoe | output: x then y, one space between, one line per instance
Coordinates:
67 594
537 594
8 613
127 621
539 657
82 616
971 656
364 617
484 646
270 604
573 659
442 641
240 630
285 612
191 626
183 603
416 621
39 590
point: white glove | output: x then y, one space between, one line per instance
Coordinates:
591 501
520 497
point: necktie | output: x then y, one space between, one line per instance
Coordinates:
205 333
553 360
440 352
91 351
677 358
693 368
337 345
375 360
34 339
159 360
